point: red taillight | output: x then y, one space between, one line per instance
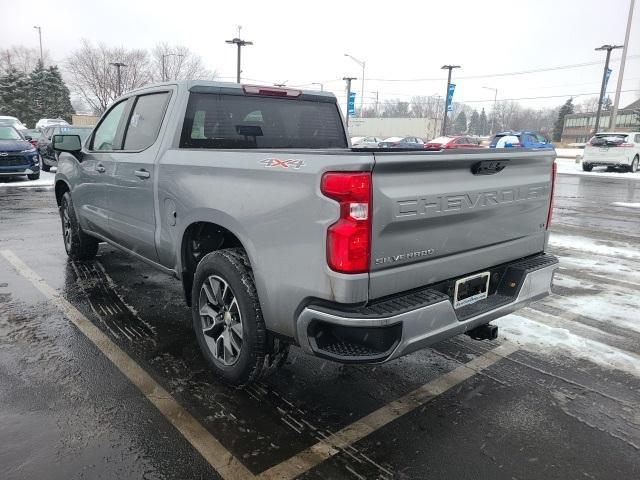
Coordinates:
554 173
270 91
349 239
34 143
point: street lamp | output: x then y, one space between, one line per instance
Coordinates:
240 43
37 27
164 75
495 100
605 76
118 66
446 102
362 64
321 85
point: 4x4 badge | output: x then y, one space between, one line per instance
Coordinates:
281 163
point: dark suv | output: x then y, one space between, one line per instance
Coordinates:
17 156
49 156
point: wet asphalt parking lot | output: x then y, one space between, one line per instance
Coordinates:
100 378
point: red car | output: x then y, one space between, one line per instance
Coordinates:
451 142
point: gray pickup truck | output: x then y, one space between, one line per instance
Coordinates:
282 234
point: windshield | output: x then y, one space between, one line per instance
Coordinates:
83 133
9 133
36 134
237 121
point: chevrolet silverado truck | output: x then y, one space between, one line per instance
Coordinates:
282 234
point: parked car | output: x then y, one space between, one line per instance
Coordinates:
49 156
613 150
520 139
48 122
402 142
442 143
251 196
34 136
365 142
12 122
17 156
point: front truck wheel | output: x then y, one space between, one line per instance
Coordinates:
228 320
79 245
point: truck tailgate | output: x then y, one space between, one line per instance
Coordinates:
441 215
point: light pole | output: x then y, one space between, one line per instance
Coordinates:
446 101
362 64
240 43
608 49
320 84
348 80
164 70
616 101
37 27
495 101
118 66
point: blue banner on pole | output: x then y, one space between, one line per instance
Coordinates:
351 111
452 88
606 79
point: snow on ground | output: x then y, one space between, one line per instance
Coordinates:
570 167
45 180
588 245
530 335
625 204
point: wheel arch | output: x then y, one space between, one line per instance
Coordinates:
61 188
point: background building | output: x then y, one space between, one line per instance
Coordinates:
578 127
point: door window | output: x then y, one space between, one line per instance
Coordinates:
144 123
106 132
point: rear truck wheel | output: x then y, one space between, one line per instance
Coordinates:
79 245
633 168
587 167
228 322
34 176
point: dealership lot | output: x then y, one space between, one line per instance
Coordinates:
100 377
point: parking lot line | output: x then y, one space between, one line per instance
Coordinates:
221 459
329 447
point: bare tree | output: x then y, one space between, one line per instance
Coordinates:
587 105
177 62
93 77
21 58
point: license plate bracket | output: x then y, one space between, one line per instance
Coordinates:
471 289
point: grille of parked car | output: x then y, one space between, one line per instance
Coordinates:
13 160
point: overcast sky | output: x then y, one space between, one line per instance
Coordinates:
303 42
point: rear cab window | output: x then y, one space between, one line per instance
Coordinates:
226 121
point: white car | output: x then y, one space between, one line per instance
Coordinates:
365 142
613 149
47 122
6 121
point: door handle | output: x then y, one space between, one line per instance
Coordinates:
100 168
142 173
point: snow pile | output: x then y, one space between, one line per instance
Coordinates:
625 204
531 335
587 245
570 167
45 180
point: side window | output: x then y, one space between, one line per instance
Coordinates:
145 121
106 131
637 137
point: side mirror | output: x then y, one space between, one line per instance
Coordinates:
28 138
67 143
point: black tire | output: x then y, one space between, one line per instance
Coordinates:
228 276
587 167
79 245
44 166
633 168
34 176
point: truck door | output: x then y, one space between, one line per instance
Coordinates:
132 218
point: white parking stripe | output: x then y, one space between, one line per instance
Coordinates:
209 447
325 449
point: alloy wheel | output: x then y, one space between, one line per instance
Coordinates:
221 320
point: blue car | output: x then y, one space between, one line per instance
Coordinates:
520 139
17 156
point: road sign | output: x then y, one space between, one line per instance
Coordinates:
352 104
452 87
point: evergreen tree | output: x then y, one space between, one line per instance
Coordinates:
14 96
607 105
483 124
59 102
474 123
565 110
460 125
